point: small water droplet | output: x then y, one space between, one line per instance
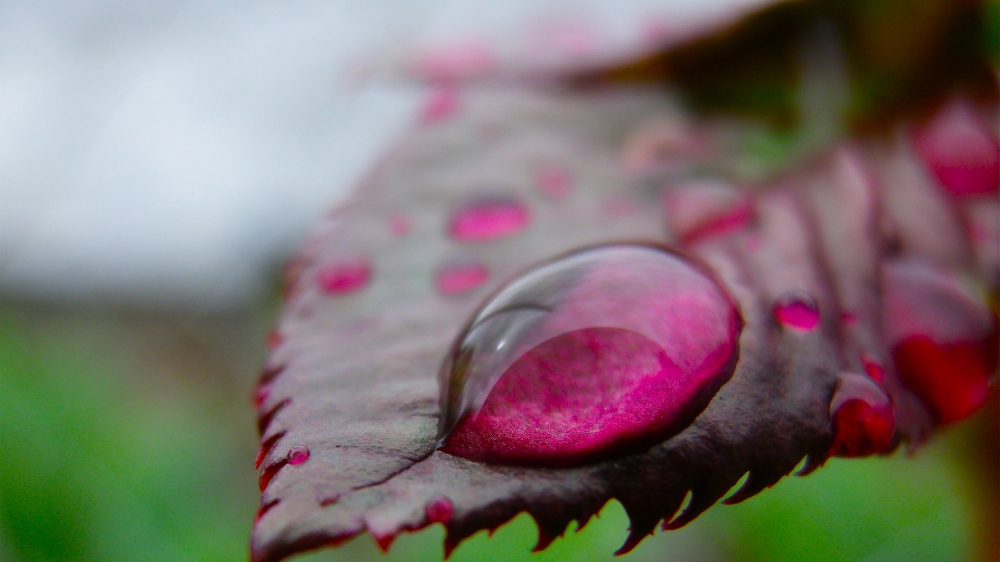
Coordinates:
488 219
442 104
603 351
439 510
554 182
298 454
797 311
460 277
344 277
863 420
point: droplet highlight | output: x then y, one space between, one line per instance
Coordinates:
345 277
460 277
604 351
797 311
298 454
488 219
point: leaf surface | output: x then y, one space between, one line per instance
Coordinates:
353 377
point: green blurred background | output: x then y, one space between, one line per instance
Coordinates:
129 436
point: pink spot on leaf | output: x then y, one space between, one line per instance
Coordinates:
461 277
488 219
553 182
345 277
799 312
399 225
442 104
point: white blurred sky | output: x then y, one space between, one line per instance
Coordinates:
169 153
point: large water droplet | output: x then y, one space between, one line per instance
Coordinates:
603 351
487 219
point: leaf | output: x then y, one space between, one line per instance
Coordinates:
349 402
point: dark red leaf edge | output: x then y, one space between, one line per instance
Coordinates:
354 378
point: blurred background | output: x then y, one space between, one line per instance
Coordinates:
159 162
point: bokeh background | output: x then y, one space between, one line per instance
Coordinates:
160 160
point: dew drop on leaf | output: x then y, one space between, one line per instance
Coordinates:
298 454
863 420
604 351
439 510
797 311
488 219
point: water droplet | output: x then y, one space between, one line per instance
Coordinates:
797 311
960 150
603 351
554 182
439 510
863 420
442 104
488 219
344 277
298 454
460 277
399 225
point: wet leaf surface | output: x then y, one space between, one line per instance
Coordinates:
349 401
